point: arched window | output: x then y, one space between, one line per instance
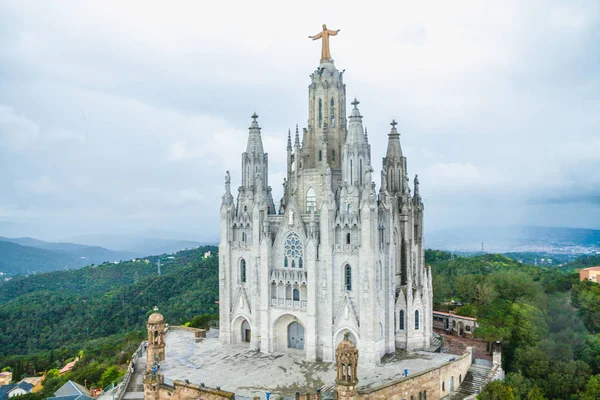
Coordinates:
296 295
348 279
460 378
300 262
320 114
332 155
285 262
243 236
424 394
320 155
273 290
443 386
417 320
243 270
311 200
332 114
293 250
348 238
401 319
245 208
420 396
155 337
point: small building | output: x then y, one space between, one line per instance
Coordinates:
36 381
15 389
590 274
69 366
5 378
454 324
71 391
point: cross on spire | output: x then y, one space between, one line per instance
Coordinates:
393 124
254 116
155 308
355 103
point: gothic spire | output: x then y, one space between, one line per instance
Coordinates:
289 141
394 149
356 133
297 140
254 140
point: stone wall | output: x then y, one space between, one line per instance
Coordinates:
433 383
155 388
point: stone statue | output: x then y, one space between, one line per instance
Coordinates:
383 180
227 183
324 34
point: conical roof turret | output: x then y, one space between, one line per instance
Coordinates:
356 133
394 150
254 140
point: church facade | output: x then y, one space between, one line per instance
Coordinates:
337 255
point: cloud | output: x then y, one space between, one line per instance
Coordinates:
115 118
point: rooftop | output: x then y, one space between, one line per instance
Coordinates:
238 369
597 268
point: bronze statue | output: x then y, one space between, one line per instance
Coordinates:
324 34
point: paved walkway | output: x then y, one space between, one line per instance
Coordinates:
135 388
238 369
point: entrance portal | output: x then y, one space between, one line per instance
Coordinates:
295 336
246 332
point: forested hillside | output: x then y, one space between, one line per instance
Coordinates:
548 322
63 312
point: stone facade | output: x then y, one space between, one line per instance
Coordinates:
454 324
337 255
156 389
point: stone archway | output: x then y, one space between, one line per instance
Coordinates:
289 332
241 330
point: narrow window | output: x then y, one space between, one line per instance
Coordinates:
348 277
332 114
296 295
360 173
285 262
460 378
347 238
332 155
401 317
300 263
424 394
311 200
320 114
293 263
351 175
443 386
243 236
320 155
417 320
243 270
420 396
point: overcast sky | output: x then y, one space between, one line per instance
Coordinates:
122 116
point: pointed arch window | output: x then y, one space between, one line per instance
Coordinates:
320 155
293 250
417 320
243 270
296 295
348 277
332 155
320 113
332 114
311 200
401 320
348 238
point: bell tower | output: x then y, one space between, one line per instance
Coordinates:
156 339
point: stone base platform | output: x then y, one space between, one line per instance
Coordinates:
248 373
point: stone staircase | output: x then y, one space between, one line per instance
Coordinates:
135 387
475 379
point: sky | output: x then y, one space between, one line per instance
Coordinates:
122 117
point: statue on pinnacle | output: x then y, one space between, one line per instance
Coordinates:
324 34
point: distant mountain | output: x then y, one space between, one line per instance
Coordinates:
28 255
517 239
136 244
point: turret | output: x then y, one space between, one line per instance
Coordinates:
355 153
156 340
255 165
394 163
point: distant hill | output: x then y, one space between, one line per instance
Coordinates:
67 308
27 255
142 245
517 239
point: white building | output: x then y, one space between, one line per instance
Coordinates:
337 255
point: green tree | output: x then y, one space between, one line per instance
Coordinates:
592 388
496 390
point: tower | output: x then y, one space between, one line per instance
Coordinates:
337 257
156 339
346 358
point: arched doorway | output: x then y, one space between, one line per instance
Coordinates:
246 332
461 329
295 336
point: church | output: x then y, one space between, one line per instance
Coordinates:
337 255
